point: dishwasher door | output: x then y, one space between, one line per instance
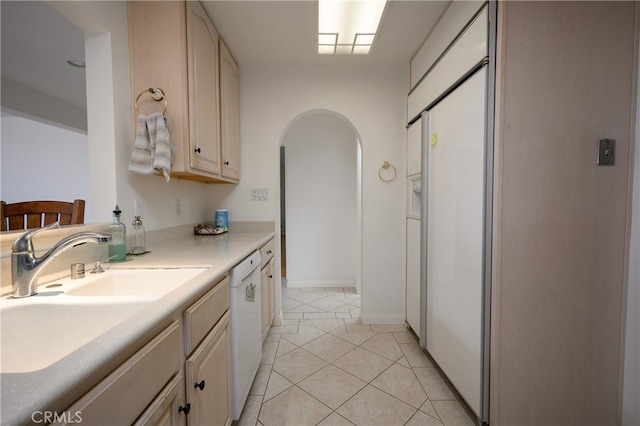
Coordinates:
246 328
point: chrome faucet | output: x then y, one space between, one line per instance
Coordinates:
26 267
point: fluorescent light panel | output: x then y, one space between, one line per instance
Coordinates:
348 27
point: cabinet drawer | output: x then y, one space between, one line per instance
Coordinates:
266 252
200 317
124 394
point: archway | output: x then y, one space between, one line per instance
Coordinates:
321 206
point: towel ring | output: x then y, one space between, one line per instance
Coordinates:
385 166
156 94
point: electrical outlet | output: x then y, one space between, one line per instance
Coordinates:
259 194
606 152
178 206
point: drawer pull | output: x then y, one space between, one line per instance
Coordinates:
226 163
270 276
200 385
269 252
198 150
186 409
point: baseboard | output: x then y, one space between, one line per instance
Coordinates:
383 318
318 283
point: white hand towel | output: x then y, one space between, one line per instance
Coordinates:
142 156
152 150
161 140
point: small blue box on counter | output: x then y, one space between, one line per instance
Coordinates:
222 219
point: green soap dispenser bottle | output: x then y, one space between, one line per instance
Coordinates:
118 243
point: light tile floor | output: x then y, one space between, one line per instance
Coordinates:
322 366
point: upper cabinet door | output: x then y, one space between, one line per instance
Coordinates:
229 114
204 92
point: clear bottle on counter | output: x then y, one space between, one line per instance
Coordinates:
118 243
137 237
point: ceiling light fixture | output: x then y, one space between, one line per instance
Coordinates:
348 26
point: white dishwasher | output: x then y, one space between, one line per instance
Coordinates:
246 328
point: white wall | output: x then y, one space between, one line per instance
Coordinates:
29 102
321 201
373 99
43 162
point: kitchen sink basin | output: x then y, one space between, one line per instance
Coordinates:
39 331
66 314
128 282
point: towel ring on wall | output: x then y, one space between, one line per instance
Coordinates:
386 166
156 94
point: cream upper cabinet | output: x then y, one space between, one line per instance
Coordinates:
175 47
229 114
204 90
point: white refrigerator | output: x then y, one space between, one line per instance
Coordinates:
452 234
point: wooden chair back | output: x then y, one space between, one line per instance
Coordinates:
35 214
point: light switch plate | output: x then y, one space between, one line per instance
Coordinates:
606 152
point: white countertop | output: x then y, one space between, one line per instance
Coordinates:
56 387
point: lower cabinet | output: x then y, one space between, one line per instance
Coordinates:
166 408
268 287
208 366
208 373
157 386
134 386
266 281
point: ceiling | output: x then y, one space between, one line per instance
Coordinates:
37 41
285 32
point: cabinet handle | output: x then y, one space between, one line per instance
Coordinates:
270 276
197 150
200 385
186 409
269 252
226 163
